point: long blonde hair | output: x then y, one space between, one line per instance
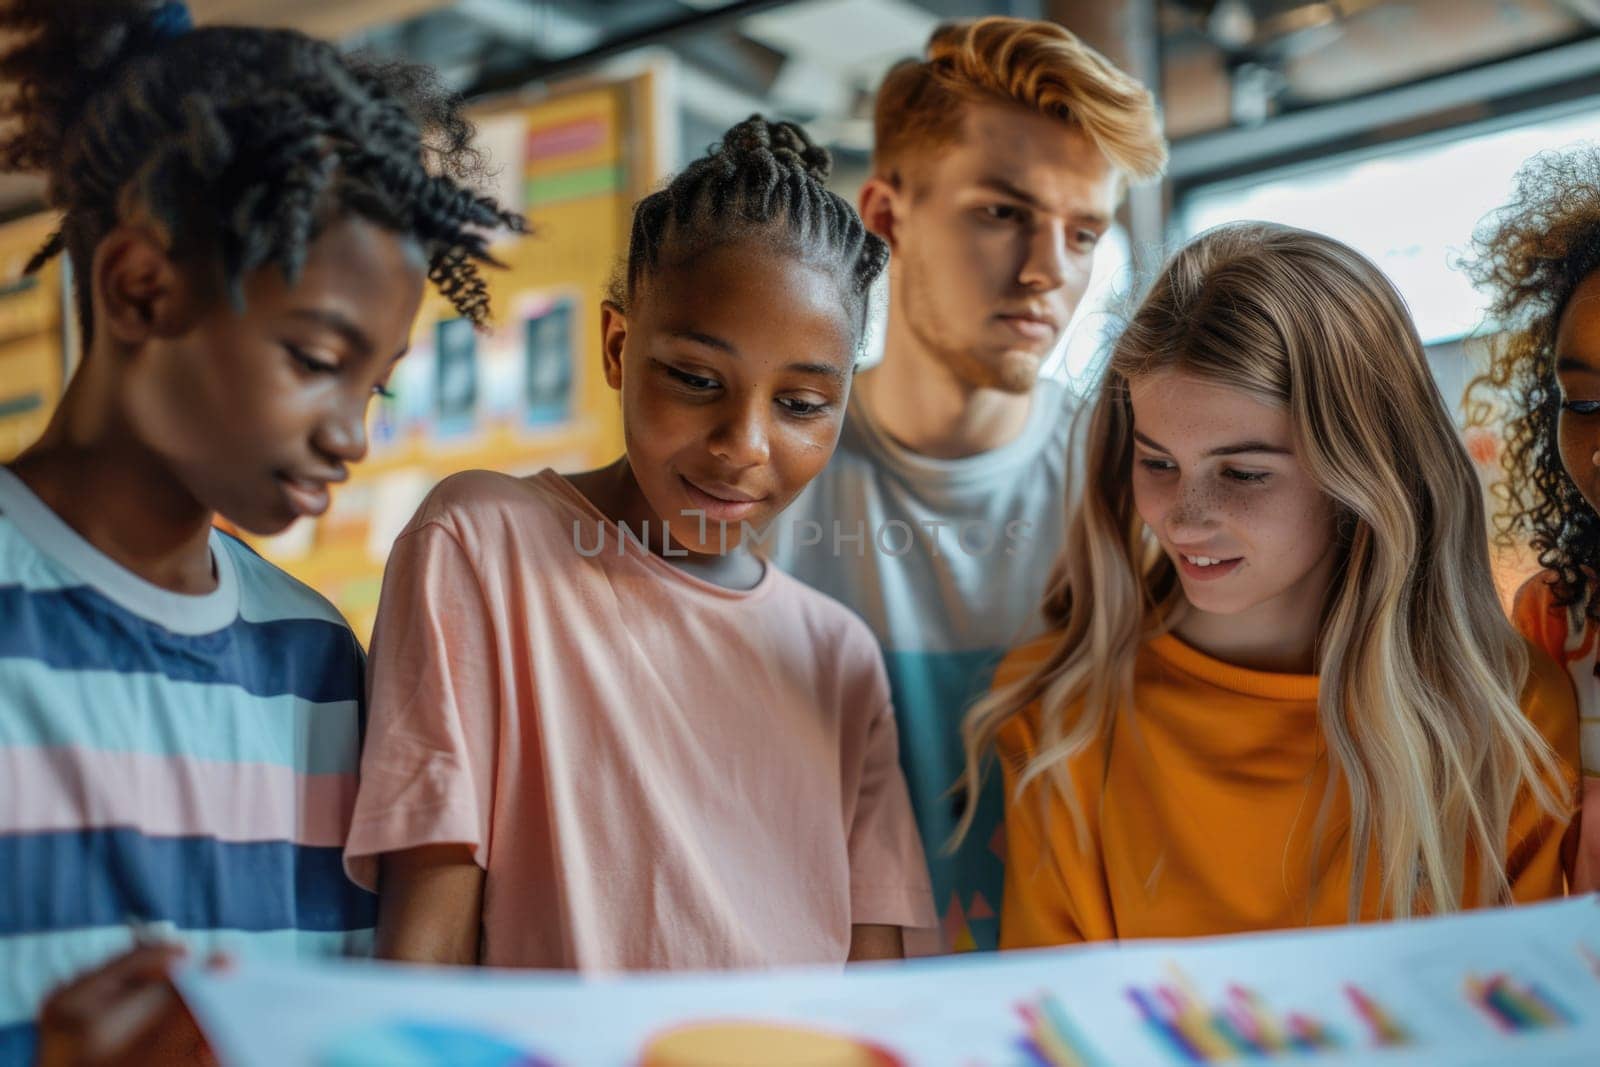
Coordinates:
1420 671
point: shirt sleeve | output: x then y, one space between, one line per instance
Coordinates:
427 766
1543 846
888 870
1034 912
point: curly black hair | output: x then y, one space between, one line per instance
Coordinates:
764 180
1529 256
241 143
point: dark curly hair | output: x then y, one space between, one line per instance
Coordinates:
1529 257
241 143
764 180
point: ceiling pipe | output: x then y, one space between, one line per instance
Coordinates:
510 79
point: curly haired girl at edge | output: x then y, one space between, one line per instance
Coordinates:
1280 691
605 735
1539 259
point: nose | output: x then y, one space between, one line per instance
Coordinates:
1046 267
740 438
1190 518
342 433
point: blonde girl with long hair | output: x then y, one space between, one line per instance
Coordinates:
1278 688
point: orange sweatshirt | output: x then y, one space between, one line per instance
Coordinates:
1201 809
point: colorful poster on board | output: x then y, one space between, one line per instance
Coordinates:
1486 988
549 349
571 156
455 367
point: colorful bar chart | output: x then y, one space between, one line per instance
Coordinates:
1051 1039
1242 1025
1382 1028
1515 1006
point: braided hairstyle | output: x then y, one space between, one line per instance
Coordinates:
764 181
241 143
1530 256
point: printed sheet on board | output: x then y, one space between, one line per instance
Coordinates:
1494 987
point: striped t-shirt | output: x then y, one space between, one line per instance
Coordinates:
184 761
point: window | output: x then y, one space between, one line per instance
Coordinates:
1411 208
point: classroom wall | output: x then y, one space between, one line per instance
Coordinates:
32 335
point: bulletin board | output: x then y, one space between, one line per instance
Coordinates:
528 393
33 358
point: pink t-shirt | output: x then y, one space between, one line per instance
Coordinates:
655 772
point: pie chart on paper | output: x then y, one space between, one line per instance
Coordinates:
747 1044
425 1044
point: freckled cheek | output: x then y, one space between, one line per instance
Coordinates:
1234 513
1225 509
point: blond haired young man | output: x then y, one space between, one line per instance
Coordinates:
999 161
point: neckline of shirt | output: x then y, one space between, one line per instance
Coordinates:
1050 407
1266 684
553 482
179 613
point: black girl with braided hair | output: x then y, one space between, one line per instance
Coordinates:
251 219
1538 260
604 734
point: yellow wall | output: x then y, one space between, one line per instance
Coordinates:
32 364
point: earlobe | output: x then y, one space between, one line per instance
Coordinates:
138 290
613 337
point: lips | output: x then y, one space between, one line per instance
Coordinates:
724 503
1032 324
1206 567
308 496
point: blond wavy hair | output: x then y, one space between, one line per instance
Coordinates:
1420 671
1036 65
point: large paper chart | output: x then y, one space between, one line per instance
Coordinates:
1520 985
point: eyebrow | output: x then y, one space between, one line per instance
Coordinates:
1005 188
353 335
1576 366
822 370
825 370
1239 449
704 339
